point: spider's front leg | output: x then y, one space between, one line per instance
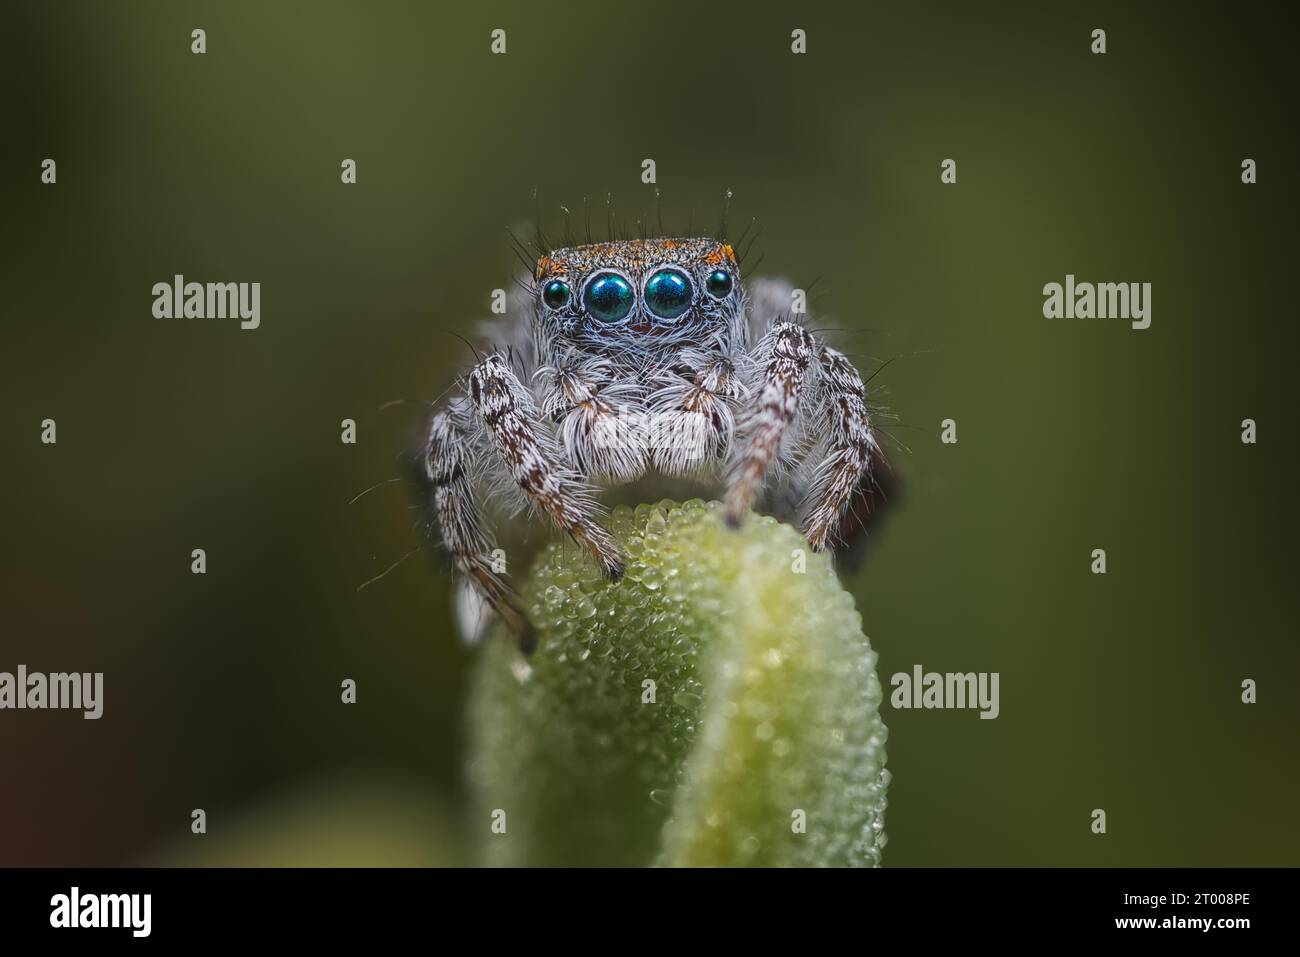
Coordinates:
841 429
449 466
506 412
784 355
850 448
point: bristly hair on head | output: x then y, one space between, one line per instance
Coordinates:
641 226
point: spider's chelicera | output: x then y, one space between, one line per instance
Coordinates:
646 357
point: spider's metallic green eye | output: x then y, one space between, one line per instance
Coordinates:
556 294
718 284
668 293
608 297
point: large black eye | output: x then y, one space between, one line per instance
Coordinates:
718 284
608 297
668 293
556 294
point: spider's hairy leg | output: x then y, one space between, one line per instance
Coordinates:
785 354
590 404
506 410
850 447
448 467
696 405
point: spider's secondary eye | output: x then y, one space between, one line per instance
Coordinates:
668 293
718 284
608 297
556 294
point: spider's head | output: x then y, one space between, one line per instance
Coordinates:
651 289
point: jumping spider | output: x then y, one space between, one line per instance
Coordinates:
654 331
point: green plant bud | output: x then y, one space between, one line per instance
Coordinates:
717 707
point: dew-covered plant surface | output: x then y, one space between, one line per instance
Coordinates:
717 707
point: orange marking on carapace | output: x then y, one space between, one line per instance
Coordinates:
715 256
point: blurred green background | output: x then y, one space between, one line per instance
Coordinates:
222 692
